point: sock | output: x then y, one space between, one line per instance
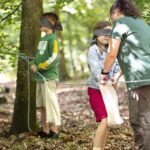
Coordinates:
97 148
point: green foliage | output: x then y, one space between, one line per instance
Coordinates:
9 35
58 4
78 18
144 6
62 3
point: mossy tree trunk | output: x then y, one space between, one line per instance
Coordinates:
29 37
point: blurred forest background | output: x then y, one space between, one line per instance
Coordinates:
77 17
19 35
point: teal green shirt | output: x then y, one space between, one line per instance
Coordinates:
134 51
47 47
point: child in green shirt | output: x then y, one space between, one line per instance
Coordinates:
45 68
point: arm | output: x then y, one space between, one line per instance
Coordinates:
94 64
110 58
119 29
52 58
112 54
55 52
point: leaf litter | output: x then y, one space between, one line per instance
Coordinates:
77 129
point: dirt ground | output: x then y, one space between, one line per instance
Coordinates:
78 124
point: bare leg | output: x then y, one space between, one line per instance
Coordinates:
43 119
100 135
54 128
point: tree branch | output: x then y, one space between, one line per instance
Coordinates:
54 1
11 13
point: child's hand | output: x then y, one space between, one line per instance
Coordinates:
114 84
43 65
33 68
116 78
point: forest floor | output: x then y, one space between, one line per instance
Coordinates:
78 124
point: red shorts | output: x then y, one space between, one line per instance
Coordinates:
97 104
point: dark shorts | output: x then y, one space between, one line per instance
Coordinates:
97 104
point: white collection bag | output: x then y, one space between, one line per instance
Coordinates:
111 103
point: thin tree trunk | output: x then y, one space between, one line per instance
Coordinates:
63 74
70 45
24 119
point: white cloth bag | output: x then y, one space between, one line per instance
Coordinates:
111 103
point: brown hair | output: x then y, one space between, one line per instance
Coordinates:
53 19
51 16
101 25
126 7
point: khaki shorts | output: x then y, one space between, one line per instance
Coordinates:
46 96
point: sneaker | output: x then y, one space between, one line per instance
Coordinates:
43 134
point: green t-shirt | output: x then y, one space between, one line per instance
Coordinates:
134 51
48 45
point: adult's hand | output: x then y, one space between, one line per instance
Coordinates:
103 78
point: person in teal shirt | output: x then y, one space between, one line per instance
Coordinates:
130 43
45 68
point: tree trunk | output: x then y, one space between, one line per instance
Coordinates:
63 74
24 119
70 44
